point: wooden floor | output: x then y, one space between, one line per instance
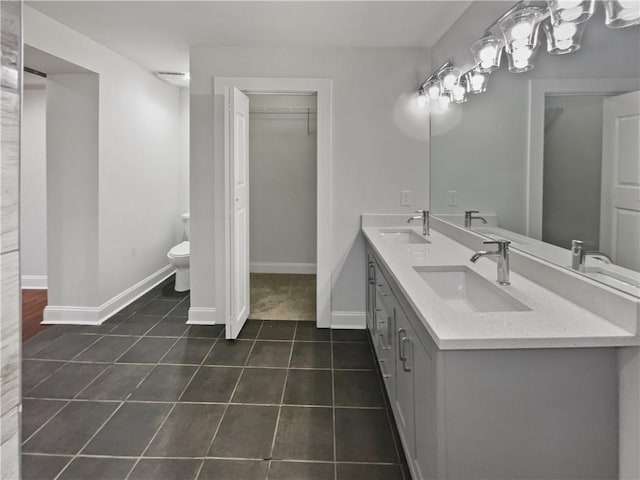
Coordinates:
33 303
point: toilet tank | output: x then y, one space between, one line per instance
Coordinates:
185 226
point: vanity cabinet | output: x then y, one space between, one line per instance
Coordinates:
483 413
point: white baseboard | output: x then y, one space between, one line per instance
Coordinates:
33 282
54 314
354 320
202 316
275 267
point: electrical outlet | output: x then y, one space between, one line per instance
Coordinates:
405 198
452 196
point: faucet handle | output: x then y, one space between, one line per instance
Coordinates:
469 212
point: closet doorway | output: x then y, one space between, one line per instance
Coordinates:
282 205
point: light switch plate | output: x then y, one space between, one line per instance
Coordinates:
405 198
452 196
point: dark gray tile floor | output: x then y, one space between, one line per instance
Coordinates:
146 396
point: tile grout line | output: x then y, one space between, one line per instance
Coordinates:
284 389
73 457
174 404
333 411
226 407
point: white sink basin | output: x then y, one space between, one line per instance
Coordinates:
405 236
614 279
463 290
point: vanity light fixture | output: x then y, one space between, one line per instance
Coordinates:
563 21
487 53
520 30
570 11
621 13
563 38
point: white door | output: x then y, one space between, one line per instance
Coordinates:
620 199
237 155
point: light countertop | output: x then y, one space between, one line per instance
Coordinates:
552 322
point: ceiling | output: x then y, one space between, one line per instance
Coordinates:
158 34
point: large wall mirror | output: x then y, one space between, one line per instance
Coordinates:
550 158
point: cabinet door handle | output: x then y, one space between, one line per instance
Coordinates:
401 332
383 369
382 343
404 360
372 274
390 327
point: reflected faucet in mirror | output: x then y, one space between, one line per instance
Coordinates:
424 216
502 253
579 256
469 218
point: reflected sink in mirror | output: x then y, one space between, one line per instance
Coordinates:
465 291
405 236
614 279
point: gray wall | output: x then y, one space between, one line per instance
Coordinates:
483 154
282 181
373 157
33 187
572 170
138 189
10 331
72 186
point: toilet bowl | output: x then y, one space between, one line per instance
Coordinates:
178 256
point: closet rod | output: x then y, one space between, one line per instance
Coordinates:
251 112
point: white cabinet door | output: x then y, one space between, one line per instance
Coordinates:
405 368
425 460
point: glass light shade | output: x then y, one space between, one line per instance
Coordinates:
487 53
521 59
621 13
448 77
571 11
520 28
459 92
476 82
564 38
433 89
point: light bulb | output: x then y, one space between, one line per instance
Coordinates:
477 81
422 100
449 81
569 3
565 31
434 91
521 31
444 102
630 9
522 54
488 54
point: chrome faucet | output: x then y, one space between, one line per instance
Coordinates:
503 259
469 218
579 255
424 216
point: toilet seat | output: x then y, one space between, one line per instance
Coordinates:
180 250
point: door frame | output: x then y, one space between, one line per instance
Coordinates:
323 88
538 89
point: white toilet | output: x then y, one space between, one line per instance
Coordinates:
179 257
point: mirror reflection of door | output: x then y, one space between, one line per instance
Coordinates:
620 205
592 174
